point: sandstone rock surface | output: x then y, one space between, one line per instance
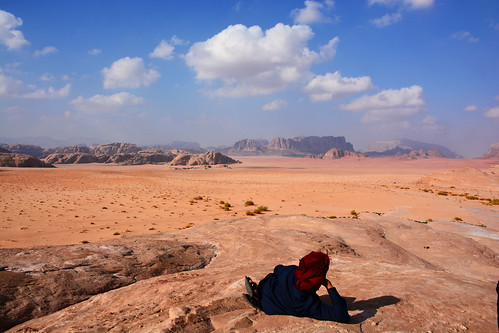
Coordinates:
40 280
396 275
336 153
493 151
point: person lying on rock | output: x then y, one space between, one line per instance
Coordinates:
292 290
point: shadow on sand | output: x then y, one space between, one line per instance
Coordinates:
368 307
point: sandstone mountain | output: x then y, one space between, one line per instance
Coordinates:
421 153
404 146
22 160
208 158
493 151
298 146
395 274
335 153
33 150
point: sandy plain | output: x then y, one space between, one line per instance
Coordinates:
72 204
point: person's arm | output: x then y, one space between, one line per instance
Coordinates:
338 311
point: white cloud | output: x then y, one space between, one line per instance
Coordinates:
45 51
250 62
464 35
13 88
177 41
386 20
163 51
275 105
9 36
328 51
49 93
411 4
46 77
430 123
492 112
312 12
107 104
95 52
389 105
128 73
333 86
471 108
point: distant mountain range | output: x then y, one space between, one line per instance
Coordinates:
303 146
405 146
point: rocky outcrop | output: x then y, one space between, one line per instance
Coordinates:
208 158
72 158
74 150
390 271
336 153
299 146
421 153
115 148
22 160
41 280
152 156
493 151
3 150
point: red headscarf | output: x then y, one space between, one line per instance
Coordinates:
312 270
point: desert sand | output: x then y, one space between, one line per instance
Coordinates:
421 254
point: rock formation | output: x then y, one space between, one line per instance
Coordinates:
35 151
208 158
115 148
40 280
395 274
421 153
299 146
22 160
335 153
493 151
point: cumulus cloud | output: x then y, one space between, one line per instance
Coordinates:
9 36
492 112
333 86
128 73
386 20
13 88
107 104
45 51
163 51
471 108
250 62
430 123
275 105
95 52
465 35
389 105
312 12
411 4
46 77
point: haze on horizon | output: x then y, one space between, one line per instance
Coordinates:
218 72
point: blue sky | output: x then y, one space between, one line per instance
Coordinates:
214 72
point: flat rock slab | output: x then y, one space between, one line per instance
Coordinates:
396 275
37 281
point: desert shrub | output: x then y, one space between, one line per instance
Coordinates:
494 202
443 193
198 198
249 213
332 217
249 203
260 209
354 213
222 202
226 206
429 220
471 197
458 219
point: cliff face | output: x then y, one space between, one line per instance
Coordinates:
299 146
493 151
